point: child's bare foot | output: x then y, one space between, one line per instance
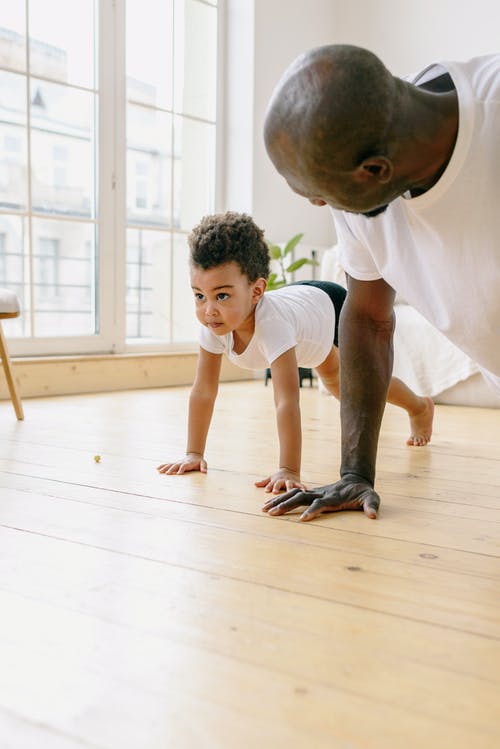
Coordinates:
421 424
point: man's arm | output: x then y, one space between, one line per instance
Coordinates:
365 344
366 329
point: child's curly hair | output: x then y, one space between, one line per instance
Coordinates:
230 237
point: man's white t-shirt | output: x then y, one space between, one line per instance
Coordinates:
441 250
300 317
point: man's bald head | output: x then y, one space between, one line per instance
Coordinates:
333 107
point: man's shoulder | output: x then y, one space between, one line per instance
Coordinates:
481 69
483 74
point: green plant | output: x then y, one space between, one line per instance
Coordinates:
280 254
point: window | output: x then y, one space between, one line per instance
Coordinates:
170 136
107 160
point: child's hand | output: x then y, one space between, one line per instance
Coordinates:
282 481
190 462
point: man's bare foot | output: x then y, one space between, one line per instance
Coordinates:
421 424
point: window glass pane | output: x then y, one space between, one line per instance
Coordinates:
149 164
166 153
149 63
148 283
14 270
194 171
13 36
184 323
64 287
62 149
62 40
13 144
195 65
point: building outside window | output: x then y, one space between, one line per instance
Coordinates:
107 160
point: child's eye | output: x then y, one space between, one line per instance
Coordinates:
199 297
221 296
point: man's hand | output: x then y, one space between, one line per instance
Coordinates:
350 493
190 462
282 480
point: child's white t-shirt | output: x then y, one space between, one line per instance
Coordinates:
300 317
441 250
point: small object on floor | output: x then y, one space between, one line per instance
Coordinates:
97 458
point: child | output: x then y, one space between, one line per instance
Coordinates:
283 329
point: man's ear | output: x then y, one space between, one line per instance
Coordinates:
374 168
259 287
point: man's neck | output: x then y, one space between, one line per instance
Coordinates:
435 133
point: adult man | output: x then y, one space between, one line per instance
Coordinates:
412 173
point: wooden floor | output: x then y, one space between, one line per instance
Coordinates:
140 611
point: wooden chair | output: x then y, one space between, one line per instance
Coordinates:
9 307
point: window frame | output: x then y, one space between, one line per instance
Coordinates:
110 176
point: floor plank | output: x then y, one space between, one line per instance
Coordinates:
148 611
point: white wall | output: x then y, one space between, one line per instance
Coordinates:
405 34
282 31
408 35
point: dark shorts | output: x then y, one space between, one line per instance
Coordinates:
337 295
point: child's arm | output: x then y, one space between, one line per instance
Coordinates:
201 406
285 379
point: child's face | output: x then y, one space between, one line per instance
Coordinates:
224 297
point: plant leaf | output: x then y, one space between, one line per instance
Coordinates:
275 285
291 244
274 251
298 264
